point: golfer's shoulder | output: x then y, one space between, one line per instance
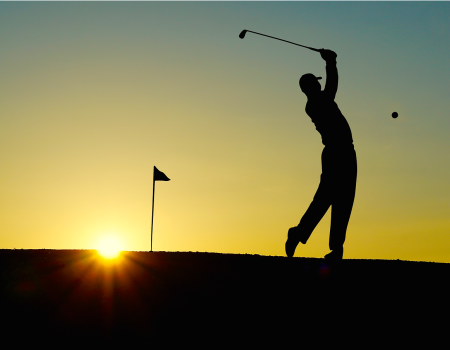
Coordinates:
309 107
313 106
317 100
325 97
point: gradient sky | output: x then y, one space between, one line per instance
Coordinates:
93 95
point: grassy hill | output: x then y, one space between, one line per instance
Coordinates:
207 299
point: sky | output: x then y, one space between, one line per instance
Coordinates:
93 95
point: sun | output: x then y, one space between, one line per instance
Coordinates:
109 248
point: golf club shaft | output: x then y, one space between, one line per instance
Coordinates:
290 42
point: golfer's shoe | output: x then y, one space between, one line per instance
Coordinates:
335 254
294 237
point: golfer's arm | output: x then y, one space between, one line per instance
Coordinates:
331 84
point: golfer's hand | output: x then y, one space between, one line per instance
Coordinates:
328 55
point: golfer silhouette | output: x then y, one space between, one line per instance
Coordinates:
338 180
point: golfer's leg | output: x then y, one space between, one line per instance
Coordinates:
316 210
340 215
342 205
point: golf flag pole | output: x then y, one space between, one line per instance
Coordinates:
153 209
157 176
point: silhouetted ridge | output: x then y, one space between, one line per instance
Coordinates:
202 297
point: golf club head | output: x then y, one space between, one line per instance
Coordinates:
242 35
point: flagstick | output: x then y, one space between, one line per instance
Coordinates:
153 209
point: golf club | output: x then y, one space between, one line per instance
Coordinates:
242 35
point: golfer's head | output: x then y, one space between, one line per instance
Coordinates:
309 84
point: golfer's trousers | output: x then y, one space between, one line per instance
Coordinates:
336 189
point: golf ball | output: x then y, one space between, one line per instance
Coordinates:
394 115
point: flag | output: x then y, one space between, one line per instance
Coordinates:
159 175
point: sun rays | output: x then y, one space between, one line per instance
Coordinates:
109 248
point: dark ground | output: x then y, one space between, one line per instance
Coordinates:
220 300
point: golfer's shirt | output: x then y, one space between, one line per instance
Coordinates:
325 113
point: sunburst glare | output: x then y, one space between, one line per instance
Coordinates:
109 248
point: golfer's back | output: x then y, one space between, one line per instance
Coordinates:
329 121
